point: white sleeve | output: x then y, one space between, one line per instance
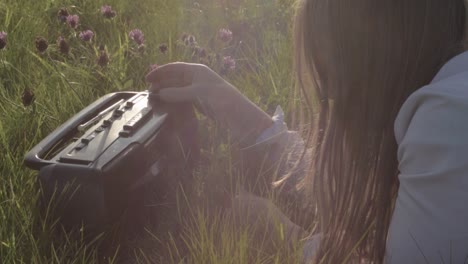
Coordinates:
277 131
430 220
277 153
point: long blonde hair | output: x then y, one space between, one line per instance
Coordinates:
359 60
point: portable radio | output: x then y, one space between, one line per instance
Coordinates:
97 162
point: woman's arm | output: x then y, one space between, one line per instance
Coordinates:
182 82
269 151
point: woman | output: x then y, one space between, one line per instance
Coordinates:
389 162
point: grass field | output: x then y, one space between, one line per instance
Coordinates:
69 75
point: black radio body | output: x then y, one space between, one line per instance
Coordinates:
96 164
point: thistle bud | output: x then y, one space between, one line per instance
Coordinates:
41 44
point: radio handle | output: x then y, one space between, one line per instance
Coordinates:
34 158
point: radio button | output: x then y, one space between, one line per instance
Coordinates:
118 113
137 120
129 104
124 133
107 123
80 146
88 139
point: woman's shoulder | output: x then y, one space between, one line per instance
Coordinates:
446 97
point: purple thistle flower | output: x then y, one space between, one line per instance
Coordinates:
27 97
229 63
163 48
63 45
107 11
41 44
3 39
103 59
73 21
190 40
86 35
62 14
225 35
137 36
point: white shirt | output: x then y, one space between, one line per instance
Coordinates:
430 220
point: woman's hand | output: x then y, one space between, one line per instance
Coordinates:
186 82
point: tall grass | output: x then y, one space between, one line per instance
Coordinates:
64 84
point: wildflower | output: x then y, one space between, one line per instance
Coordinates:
41 44
163 48
137 36
63 45
201 52
229 63
102 47
107 11
225 35
190 40
73 20
27 97
103 59
3 39
86 35
62 14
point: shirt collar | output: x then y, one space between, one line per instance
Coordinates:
456 65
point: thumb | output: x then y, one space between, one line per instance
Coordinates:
178 94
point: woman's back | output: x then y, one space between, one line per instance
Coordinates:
430 220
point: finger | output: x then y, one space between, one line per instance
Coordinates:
176 70
169 82
178 94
